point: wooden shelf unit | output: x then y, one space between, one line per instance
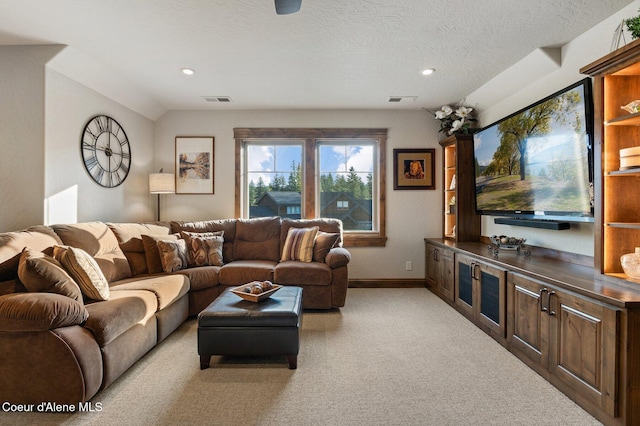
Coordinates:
616 82
460 222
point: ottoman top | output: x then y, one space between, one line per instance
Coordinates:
281 309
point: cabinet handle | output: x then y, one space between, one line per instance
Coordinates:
435 254
551 293
542 307
477 277
472 270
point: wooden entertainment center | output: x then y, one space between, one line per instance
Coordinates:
573 319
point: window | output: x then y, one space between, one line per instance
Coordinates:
309 173
293 210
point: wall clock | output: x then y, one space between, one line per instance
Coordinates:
105 151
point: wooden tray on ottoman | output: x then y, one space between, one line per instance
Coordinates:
254 297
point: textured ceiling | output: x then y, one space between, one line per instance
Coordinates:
338 54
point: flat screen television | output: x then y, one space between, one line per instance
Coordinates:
537 163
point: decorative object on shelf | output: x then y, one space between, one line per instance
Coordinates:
162 183
414 168
194 164
618 36
507 243
630 158
105 151
453 183
631 263
633 25
632 107
456 119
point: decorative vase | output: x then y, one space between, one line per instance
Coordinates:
631 263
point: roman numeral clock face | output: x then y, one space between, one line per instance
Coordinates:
105 151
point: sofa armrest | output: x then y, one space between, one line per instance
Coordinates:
39 312
338 257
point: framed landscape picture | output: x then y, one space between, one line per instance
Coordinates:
194 164
414 168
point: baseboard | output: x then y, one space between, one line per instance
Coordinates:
387 283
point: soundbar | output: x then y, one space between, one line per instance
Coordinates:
532 223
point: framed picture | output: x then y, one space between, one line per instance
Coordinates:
414 168
194 164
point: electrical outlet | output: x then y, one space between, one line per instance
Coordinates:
408 265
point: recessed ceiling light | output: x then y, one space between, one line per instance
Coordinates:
187 71
428 71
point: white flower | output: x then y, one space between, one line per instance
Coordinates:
463 111
444 112
456 125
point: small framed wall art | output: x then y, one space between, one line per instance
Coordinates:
194 164
414 168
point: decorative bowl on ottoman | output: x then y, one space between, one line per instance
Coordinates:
255 291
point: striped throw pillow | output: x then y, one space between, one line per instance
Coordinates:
299 244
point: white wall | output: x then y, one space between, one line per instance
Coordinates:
535 85
21 134
411 215
70 193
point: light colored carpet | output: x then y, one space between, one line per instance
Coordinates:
390 357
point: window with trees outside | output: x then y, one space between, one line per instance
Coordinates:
312 173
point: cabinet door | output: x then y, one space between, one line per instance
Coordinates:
528 324
447 274
432 266
583 347
464 287
491 297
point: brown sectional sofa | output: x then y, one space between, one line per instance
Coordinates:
54 348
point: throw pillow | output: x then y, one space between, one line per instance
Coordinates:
41 273
173 255
204 248
151 252
325 241
299 244
84 270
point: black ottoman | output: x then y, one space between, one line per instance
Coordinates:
233 326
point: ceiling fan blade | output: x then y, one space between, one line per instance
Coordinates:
284 7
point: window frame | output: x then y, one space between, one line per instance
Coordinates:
311 138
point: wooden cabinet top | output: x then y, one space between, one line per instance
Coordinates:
569 276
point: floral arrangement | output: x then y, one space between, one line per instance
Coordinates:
455 121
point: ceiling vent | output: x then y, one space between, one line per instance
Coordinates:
220 99
402 99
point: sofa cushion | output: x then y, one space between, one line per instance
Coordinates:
38 238
100 242
129 237
173 255
257 239
39 312
241 272
299 244
166 288
228 226
324 224
201 277
84 270
152 253
302 273
204 248
41 273
111 318
324 242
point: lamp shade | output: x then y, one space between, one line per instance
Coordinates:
162 183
